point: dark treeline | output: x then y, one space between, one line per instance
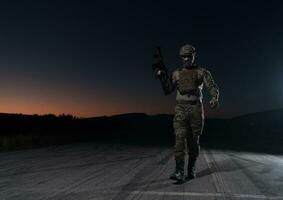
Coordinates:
253 132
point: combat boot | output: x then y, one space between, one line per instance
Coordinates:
191 168
178 174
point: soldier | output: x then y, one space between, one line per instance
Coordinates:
189 115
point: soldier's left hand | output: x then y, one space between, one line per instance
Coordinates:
214 103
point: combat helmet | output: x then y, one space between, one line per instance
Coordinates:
187 50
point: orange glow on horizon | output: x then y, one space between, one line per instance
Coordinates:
79 109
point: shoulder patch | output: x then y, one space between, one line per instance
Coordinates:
175 73
177 70
200 72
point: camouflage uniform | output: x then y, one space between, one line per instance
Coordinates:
189 114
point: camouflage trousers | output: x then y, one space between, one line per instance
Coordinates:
188 125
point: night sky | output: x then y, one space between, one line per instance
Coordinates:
94 58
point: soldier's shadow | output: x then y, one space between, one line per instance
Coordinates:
161 183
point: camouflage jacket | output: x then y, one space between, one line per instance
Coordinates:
203 76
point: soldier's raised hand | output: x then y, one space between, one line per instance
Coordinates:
159 73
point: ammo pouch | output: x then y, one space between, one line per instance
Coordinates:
188 81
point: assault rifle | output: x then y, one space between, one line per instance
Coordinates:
158 64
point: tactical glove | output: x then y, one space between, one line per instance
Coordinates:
159 73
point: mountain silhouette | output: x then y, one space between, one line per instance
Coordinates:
264 127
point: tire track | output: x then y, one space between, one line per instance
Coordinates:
221 186
148 171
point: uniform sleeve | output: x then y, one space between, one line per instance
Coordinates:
168 83
210 84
